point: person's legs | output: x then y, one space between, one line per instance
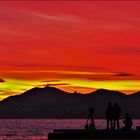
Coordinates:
111 124
107 121
114 123
92 119
118 124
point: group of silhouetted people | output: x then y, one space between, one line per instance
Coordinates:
112 115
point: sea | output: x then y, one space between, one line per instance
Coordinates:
38 129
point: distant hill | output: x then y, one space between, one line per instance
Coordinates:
50 102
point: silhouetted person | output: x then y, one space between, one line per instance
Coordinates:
109 115
91 118
127 122
116 116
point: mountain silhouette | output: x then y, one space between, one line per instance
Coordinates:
51 102
101 92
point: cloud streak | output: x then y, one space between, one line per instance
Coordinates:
125 50
2 80
58 17
124 74
55 84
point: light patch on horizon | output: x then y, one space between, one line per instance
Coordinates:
16 86
21 86
130 85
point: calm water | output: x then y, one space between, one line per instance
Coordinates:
38 129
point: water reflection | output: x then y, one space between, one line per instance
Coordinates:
39 129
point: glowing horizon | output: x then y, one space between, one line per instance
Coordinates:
73 45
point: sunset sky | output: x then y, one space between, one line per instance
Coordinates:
73 45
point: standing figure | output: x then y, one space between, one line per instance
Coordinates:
127 122
109 115
116 116
91 118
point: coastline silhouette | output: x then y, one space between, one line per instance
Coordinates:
51 102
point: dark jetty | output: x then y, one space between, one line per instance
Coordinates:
66 134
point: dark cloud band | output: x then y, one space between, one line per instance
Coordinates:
2 80
124 74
